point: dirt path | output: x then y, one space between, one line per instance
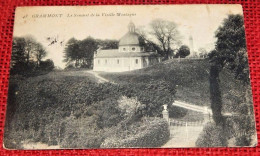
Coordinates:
186 136
99 78
182 136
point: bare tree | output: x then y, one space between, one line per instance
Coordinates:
166 34
149 44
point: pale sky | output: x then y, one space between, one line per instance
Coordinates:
199 21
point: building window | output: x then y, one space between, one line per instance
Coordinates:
136 61
98 61
105 61
124 49
117 61
133 49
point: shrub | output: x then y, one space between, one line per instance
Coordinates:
81 133
47 65
238 131
108 113
153 132
69 67
242 128
130 106
212 136
153 94
176 112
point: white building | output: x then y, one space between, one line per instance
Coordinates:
130 55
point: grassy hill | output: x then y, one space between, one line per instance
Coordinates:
70 109
191 78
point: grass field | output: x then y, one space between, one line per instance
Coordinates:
191 78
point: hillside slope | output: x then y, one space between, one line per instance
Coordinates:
191 78
70 109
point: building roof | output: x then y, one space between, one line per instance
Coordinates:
114 53
131 38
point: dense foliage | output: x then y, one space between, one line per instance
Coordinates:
183 51
212 136
27 55
148 133
76 112
80 53
238 132
193 89
230 53
177 74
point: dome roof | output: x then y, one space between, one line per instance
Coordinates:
131 38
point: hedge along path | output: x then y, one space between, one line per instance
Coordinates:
98 77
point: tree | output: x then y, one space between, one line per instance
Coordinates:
18 52
80 52
229 50
30 48
183 51
72 52
27 54
39 53
87 48
202 52
108 44
148 44
215 94
166 34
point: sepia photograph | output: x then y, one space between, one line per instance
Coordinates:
132 76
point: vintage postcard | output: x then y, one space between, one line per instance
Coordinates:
143 76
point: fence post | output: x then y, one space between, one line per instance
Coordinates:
206 115
165 113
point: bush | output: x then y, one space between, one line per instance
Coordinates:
238 131
242 129
153 94
69 67
47 65
212 136
153 132
81 133
176 112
